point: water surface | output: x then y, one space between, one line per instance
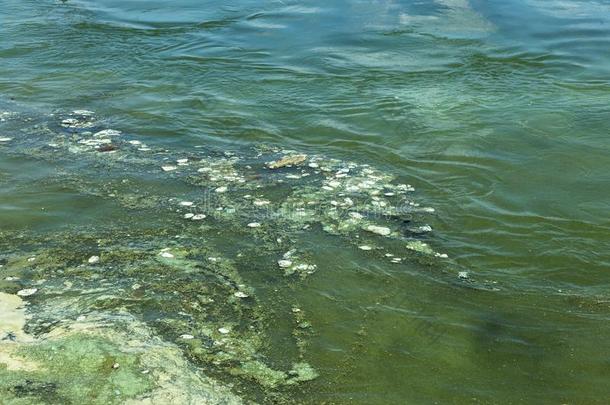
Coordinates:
495 111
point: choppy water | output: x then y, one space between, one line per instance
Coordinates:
496 112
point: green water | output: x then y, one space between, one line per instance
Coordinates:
496 112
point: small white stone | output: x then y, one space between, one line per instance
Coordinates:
94 259
365 247
254 225
379 230
463 274
167 255
83 112
135 142
260 203
313 165
69 122
186 203
224 331
187 337
189 215
27 292
182 161
107 132
305 266
5 139
168 168
198 217
241 294
284 263
356 215
221 189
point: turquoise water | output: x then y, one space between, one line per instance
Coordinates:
496 112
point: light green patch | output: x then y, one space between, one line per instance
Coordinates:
76 368
419 246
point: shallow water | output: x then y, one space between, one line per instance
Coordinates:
496 112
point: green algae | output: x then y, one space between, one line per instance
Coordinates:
183 279
419 246
76 368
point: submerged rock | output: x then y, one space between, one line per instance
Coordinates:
379 230
291 160
284 263
27 292
420 247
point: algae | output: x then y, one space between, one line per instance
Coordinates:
174 289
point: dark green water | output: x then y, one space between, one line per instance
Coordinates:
497 112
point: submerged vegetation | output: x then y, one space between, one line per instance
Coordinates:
114 313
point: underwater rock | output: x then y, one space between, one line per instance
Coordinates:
301 372
5 139
85 113
107 132
291 160
379 230
254 225
107 148
27 292
68 122
168 168
284 263
93 260
419 246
